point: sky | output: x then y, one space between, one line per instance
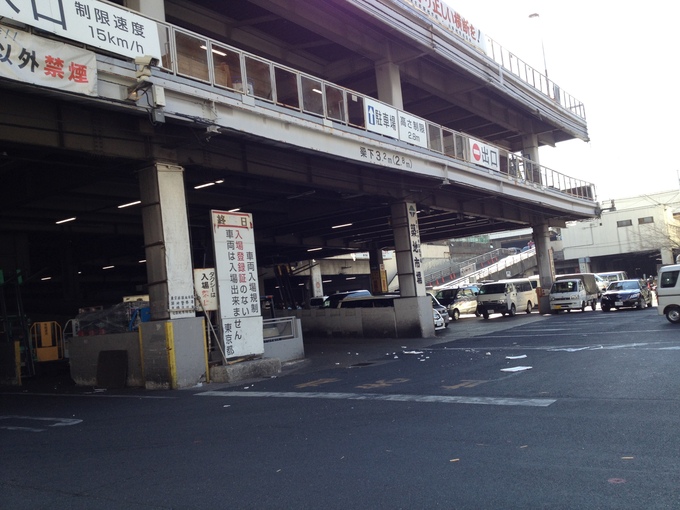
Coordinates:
621 60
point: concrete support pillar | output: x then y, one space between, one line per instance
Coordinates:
167 244
545 263
317 279
415 307
378 273
388 79
530 151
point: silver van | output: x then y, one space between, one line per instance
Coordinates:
668 293
506 296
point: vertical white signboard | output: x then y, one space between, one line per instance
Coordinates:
205 283
237 283
484 155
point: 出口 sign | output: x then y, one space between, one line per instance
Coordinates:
237 283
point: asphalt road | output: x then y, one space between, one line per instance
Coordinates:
589 418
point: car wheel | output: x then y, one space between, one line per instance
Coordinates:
485 315
605 308
673 315
640 304
583 306
529 307
455 314
593 304
512 311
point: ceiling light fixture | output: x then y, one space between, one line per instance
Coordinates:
234 210
108 267
315 249
65 221
342 226
204 185
46 278
122 206
216 52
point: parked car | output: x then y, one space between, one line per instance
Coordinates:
626 294
318 301
668 293
436 305
439 322
333 300
458 301
613 276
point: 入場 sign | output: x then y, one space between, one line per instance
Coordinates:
90 22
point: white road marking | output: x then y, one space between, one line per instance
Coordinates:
440 399
56 422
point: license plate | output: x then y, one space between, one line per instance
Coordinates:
618 303
490 310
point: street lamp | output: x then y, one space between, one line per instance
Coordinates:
545 65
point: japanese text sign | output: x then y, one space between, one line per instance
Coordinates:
31 59
91 22
451 20
483 155
386 120
205 284
237 283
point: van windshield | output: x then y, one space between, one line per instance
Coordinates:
492 288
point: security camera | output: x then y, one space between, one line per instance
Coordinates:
146 60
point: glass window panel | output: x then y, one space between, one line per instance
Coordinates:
259 78
164 40
355 110
192 56
435 135
335 103
286 88
312 96
449 143
227 66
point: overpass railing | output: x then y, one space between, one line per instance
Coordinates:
196 57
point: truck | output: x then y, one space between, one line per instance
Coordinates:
589 283
569 295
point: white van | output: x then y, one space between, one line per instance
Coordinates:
613 276
668 293
506 296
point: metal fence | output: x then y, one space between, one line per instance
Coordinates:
196 57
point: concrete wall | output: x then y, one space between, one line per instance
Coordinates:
84 353
174 353
409 318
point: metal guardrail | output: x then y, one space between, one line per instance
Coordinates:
534 78
455 270
281 328
484 273
196 57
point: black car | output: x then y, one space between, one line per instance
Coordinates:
626 294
